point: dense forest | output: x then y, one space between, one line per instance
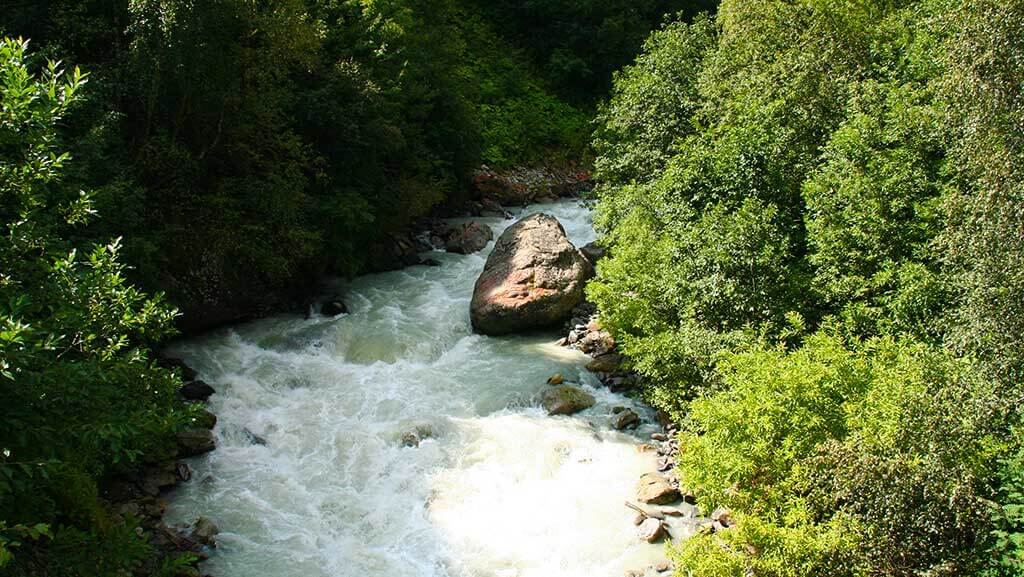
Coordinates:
814 214
814 211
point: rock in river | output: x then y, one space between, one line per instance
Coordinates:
651 530
533 278
566 400
469 238
195 441
656 490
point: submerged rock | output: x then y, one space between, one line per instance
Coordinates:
533 278
566 400
556 379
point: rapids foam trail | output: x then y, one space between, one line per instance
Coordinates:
500 489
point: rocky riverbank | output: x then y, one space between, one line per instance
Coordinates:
140 498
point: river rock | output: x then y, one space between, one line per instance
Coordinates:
625 419
533 278
204 531
333 308
651 530
556 379
205 419
593 252
566 400
655 489
195 441
197 391
468 238
607 363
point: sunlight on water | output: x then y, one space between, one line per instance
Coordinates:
497 489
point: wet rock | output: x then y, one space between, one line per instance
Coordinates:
253 438
197 391
415 434
566 400
640 518
431 262
598 343
205 420
625 419
204 531
607 363
533 278
593 252
654 489
469 238
663 567
659 437
333 308
651 530
195 441
556 379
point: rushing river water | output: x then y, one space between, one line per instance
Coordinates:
499 490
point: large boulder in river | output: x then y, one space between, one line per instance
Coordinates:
533 278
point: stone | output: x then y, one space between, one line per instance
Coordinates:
195 441
556 379
333 308
625 419
197 391
469 238
205 419
204 531
431 262
593 252
533 279
651 530
566 400
663 567
156 479
253 438
655 489
415 434
187 372
607 363
597 342
640 518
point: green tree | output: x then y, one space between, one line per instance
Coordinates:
80 397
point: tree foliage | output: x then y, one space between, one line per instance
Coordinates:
812 210
81 398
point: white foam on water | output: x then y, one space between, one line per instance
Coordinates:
499 489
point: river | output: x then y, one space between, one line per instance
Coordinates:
499 490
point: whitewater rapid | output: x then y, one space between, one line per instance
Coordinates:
498 490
